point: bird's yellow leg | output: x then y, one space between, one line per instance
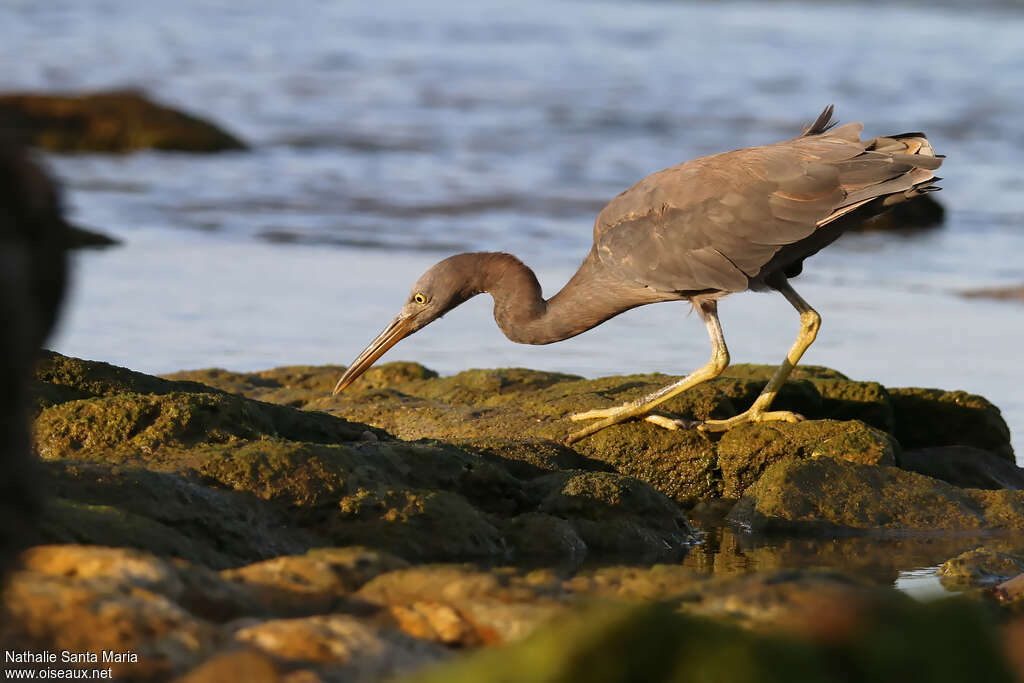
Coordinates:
633 409
810 322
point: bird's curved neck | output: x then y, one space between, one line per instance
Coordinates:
587 300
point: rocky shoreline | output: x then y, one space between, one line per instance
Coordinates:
214 522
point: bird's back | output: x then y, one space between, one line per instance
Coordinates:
726 222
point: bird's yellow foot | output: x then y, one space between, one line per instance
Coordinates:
623 413
749 416
598 413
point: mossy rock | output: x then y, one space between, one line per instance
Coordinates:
981 567
63 378
745 452
88 407
115 121
515 410
823 494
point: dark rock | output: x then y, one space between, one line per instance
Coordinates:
119 121
964 466
165 513
933 417
824 494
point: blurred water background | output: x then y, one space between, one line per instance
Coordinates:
387 135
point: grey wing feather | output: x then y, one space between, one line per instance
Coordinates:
714 223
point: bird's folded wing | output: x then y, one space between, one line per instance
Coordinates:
715 222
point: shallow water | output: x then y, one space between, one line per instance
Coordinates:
387 135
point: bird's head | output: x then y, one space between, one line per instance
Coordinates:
439 290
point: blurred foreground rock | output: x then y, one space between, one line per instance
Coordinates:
352 614
117 121
899 642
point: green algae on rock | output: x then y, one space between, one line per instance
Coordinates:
514 414
116 121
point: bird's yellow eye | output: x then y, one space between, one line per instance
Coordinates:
420 298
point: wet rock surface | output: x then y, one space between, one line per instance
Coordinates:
116 121
213 522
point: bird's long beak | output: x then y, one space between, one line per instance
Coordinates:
399 329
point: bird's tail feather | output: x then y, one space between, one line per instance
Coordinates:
892 169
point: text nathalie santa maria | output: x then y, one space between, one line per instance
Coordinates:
68 657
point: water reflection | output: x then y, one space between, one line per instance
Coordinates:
907 561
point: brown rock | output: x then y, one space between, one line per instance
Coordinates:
250 666
319 581
459 604
55 613
199 590
345 644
